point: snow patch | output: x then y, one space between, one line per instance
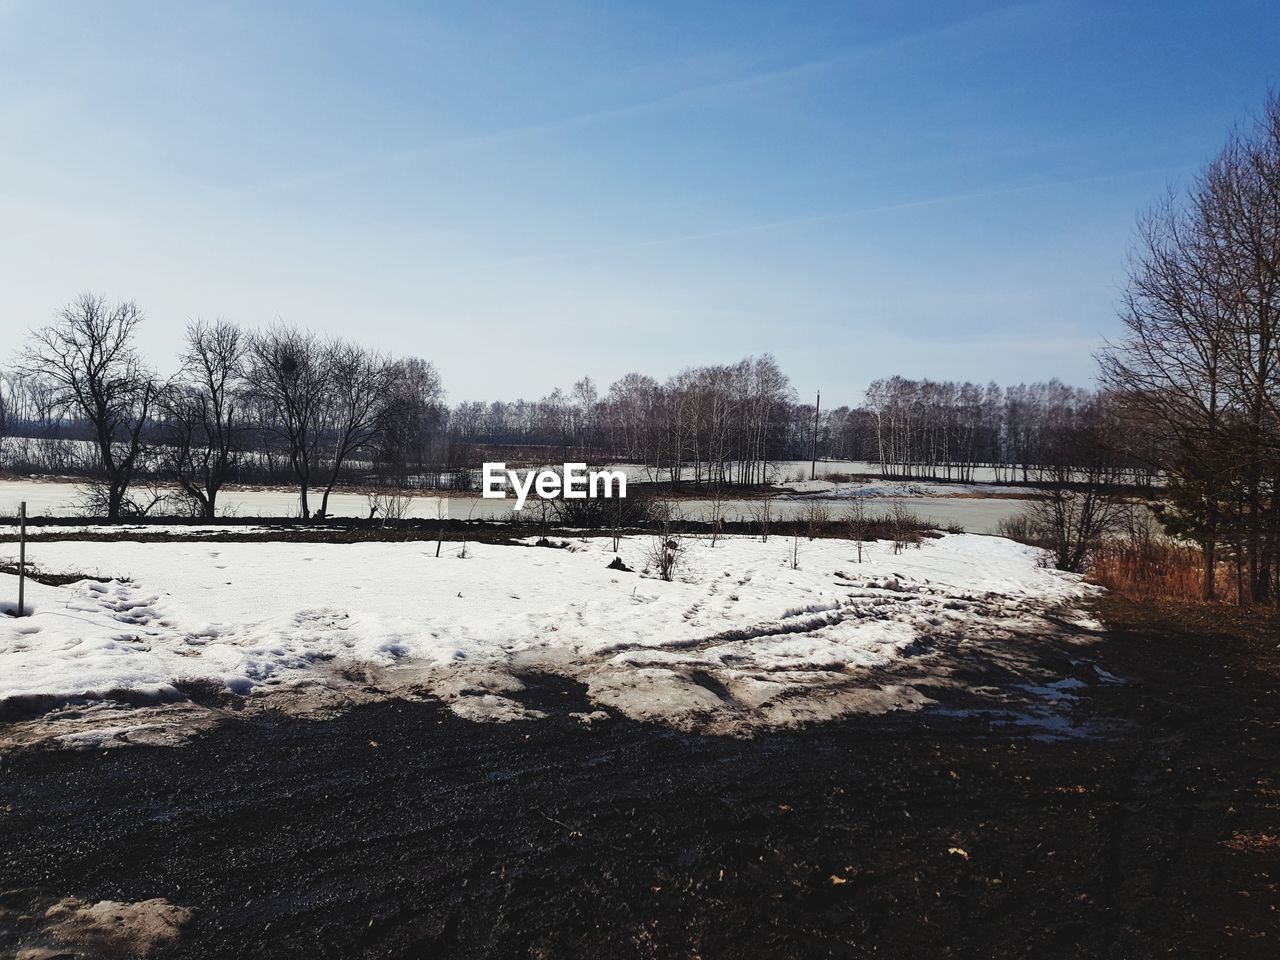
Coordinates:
740 641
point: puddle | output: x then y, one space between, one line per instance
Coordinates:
1046 710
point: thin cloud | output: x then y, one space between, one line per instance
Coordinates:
767 225
591 117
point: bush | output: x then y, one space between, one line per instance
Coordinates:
390 506
905 527
666 547
1022 528
602 513
815 516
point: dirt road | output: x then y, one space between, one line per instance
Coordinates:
399 830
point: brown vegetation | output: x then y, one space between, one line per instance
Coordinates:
1154 571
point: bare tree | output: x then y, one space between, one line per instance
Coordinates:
414 419
89 355
356 404
1078 506
857 523
202 434
287 379
762 514
715 514
1200 361
442 514
1172 368
615 522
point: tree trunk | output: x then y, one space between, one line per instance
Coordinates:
1209 549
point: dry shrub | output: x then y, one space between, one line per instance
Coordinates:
1139 562
905 527
762 516
858 524
602 513
815 516
390 505
1019 527
666 546
1148 571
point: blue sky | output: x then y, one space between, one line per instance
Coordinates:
524 193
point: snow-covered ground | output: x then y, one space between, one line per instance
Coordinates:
739 640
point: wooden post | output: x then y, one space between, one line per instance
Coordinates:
813 465
442 508
22 559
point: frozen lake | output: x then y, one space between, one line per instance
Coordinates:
60 498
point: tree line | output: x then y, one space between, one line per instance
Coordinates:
732 424
945 430
278 401
285 405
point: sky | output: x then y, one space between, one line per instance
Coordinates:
526 193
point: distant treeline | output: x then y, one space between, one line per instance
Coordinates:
283 405
725 423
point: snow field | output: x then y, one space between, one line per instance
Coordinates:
739 641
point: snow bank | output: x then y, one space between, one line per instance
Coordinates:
739 640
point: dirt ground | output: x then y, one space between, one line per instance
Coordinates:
1147 826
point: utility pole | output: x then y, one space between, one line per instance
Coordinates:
813 465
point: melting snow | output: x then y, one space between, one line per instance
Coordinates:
739 640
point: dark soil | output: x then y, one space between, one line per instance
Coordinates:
398 830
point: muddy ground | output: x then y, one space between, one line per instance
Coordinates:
1145 824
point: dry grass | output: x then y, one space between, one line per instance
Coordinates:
1158 570
1150 570
1253 843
